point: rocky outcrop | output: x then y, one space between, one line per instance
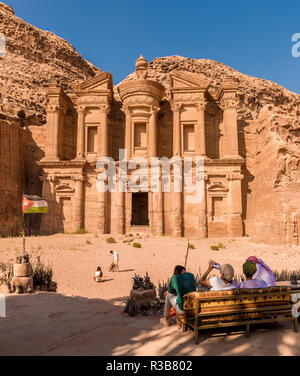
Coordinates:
33 59
268 120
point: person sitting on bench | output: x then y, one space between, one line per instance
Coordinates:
263 273
249 269
226 282
181 283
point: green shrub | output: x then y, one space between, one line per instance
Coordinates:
192 246
42 274
82 231
214 248
111 240
137 245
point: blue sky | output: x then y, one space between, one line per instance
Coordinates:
253 37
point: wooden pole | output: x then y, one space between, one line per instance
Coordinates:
187 255
24 237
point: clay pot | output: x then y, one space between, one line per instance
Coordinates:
22 270
23 283
52 287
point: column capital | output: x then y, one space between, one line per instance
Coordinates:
229 104
154 109
81 110
126 110
176 106
79 178
235 176
54 108
104 108
201 105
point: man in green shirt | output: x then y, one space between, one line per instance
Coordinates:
181 283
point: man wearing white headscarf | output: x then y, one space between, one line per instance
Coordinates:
263 273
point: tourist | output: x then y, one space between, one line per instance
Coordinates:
226 282
264 273
115 264
249 269
98 275
180 284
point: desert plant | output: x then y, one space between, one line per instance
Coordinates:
42 274
137 245
215 248
162 289
88 242
8 272
130 307
192 246
111 240
82 231
221 246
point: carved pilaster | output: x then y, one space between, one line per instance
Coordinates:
103 131
81 133
176 108
153 132
200 134
231 147
78 202
235 222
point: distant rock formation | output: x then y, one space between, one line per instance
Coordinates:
34 58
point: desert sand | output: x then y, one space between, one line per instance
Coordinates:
85 318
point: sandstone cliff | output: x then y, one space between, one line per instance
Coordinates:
33 59
269 123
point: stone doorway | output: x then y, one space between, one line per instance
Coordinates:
140 209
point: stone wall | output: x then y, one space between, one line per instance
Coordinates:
12 177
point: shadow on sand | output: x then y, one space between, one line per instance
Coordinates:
54 324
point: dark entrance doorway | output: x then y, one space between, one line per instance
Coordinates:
140 210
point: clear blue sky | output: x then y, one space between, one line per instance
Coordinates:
253 37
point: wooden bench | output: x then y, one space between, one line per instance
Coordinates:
220 309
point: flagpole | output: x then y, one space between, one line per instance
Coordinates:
24 228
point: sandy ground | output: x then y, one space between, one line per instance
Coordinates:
86 318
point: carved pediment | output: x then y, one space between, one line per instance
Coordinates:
102 83
217 187
64 189
180 80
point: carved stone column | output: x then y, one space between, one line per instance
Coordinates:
118 211
153 132
102 210
103 131
48 193
157 223
203 229
78 203
231 146
200 134
177 210
52 142
235 221
176 107
81 133
128 133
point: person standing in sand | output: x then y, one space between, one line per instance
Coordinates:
115 264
